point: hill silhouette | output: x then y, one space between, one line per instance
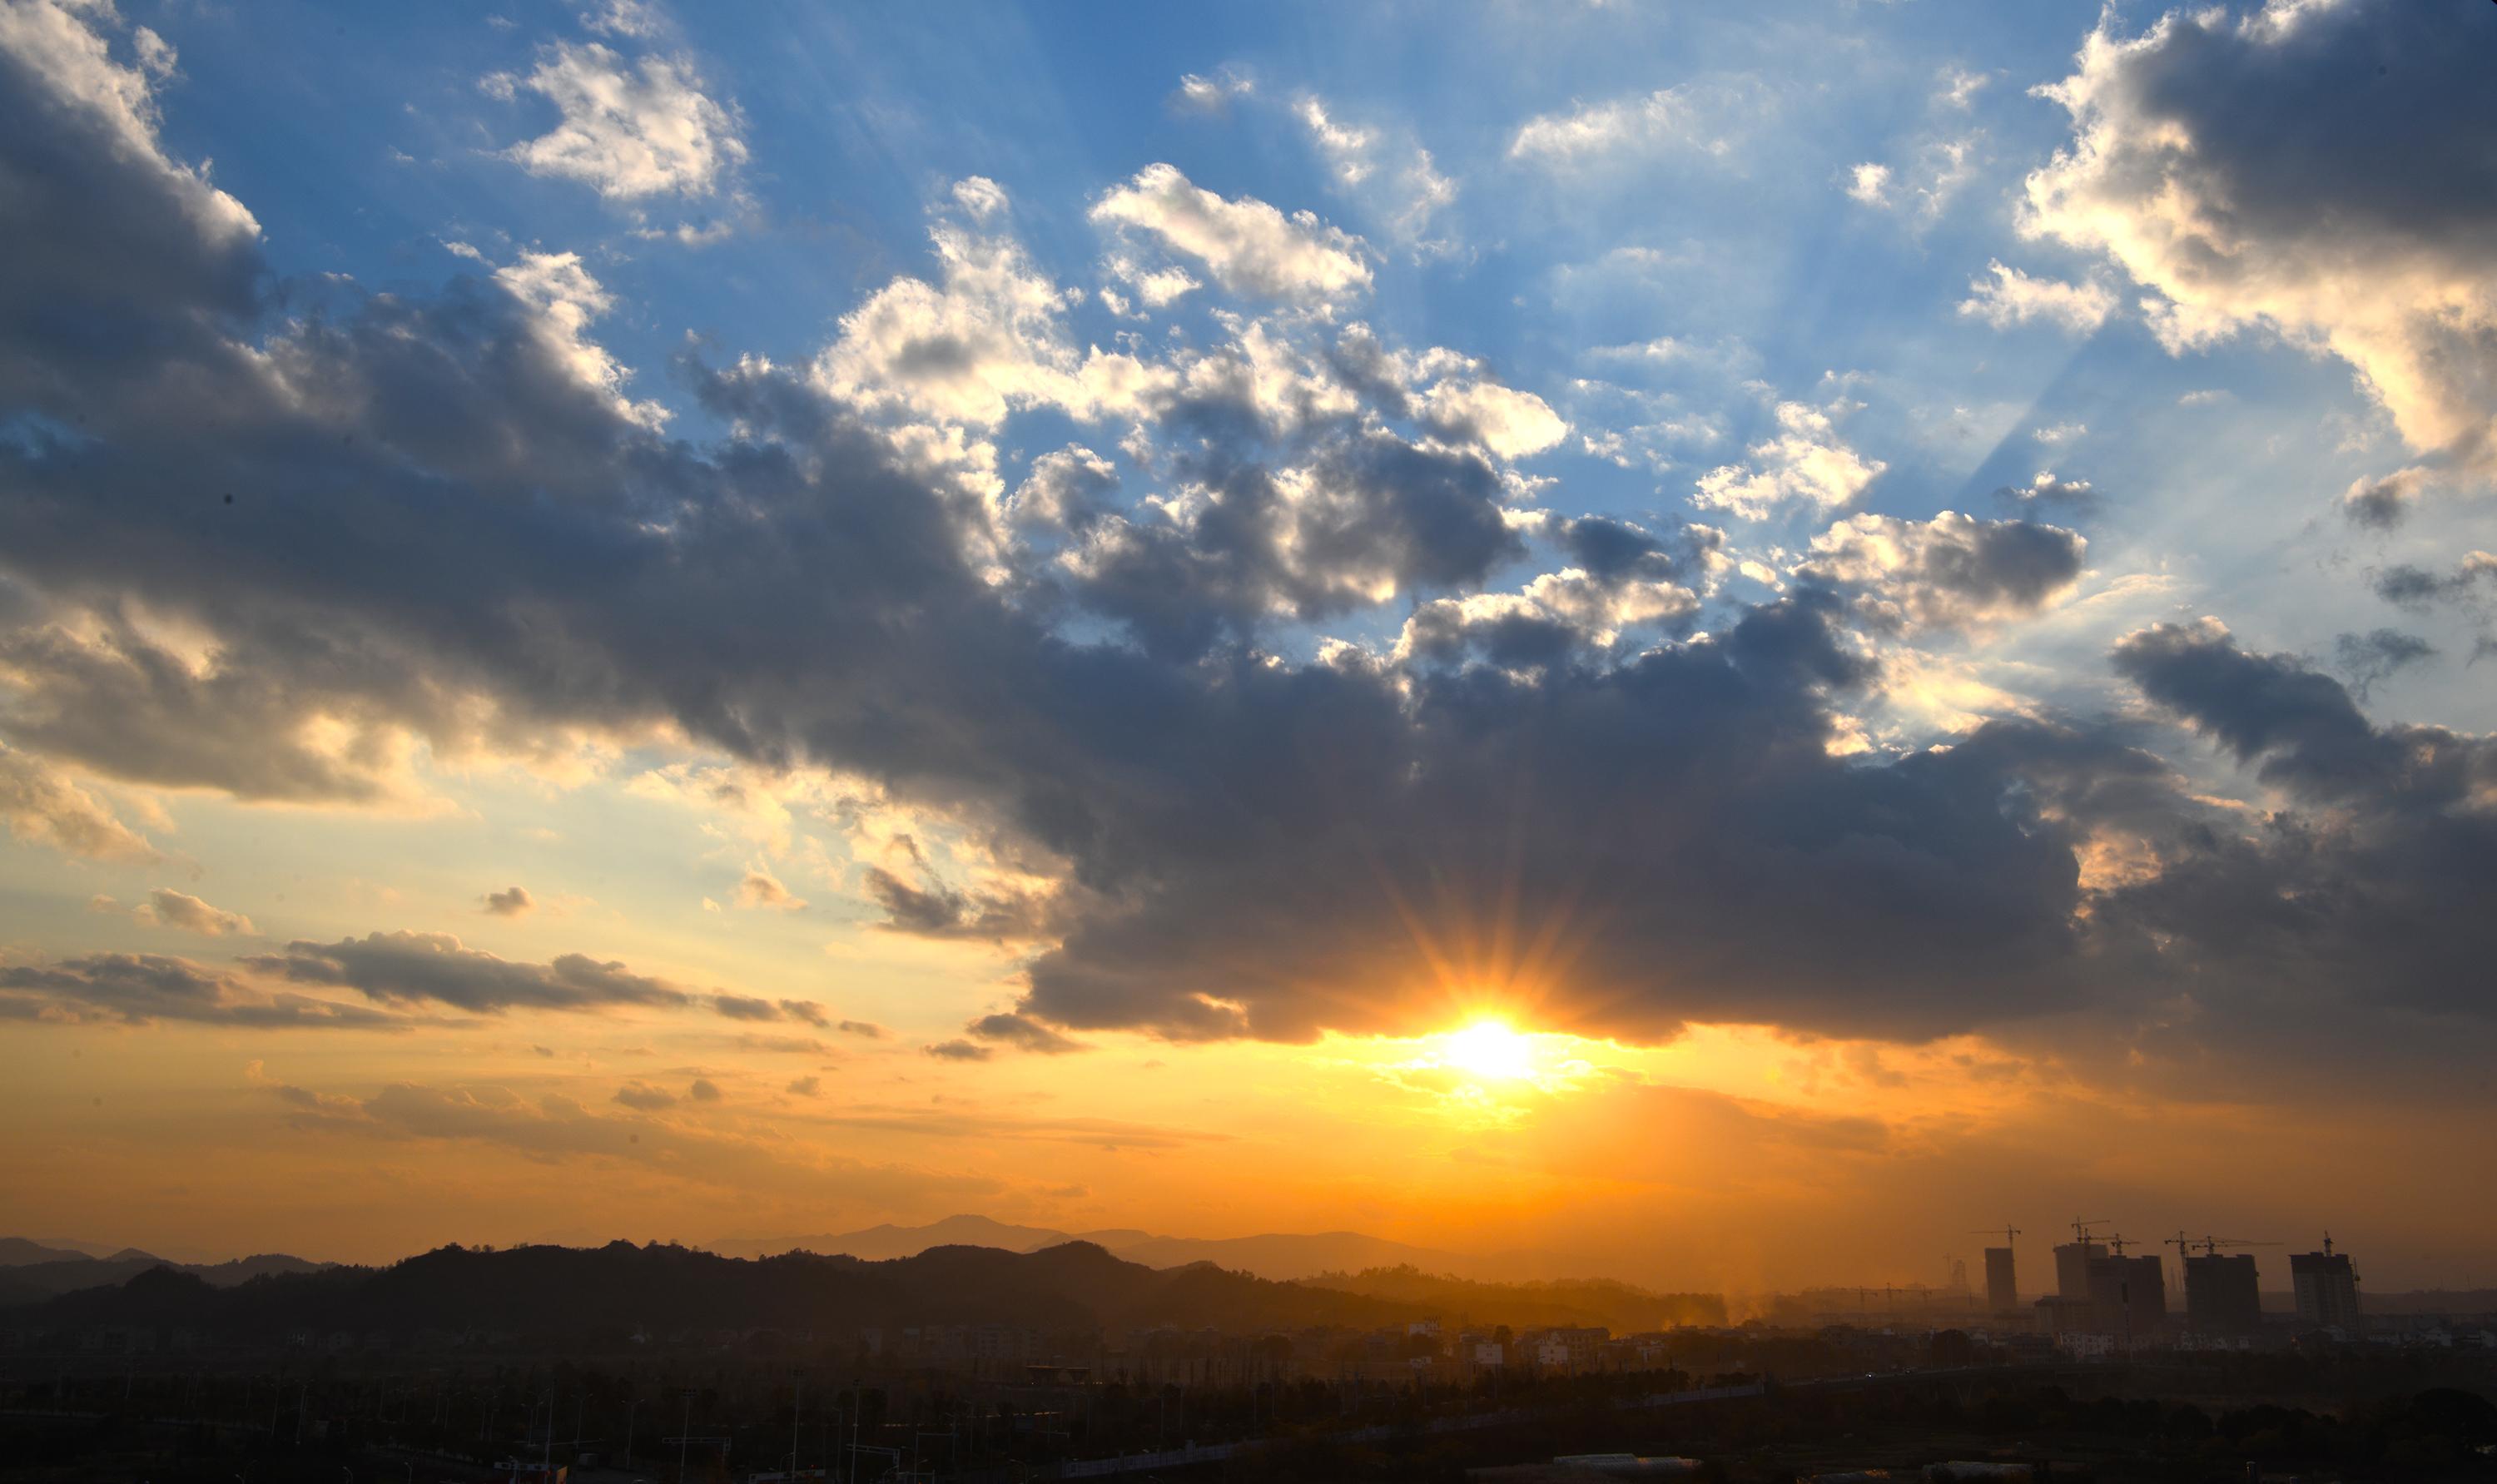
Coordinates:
555 1292
1280 1256
1622 1307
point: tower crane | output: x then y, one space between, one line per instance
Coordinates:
2009 1232
2081 1232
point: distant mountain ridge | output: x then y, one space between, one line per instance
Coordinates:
1278 1256
31 1270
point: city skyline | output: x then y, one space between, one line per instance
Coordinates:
1720 642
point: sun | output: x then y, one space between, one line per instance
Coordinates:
1489 1049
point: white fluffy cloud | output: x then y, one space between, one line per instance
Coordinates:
2011 298
1510 423
984 340
2265 170
1683 117
628 131
1248 246
1805 463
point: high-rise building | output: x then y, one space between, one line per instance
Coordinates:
2128 1295
2221 1295
2002 1293
2072 1268
2327 1289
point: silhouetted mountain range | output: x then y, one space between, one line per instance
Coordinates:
31 1270
586 1291
1282 1256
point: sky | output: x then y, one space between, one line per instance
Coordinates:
1715 642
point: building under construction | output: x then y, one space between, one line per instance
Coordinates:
2128 1295
2221 1295
2001 1289
2327 1289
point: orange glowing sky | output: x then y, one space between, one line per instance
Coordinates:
1720 642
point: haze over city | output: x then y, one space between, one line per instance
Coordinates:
1714 644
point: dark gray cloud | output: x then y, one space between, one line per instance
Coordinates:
2471 584
2386 502
2379 654
1024 1034
510 902
2376 891
415 968
139 989
959 1050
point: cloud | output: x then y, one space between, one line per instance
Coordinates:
642 1098
141 988
806 1087
1689 117
1949 572
629 132
44 807
510 902
412 967
986 339
704 1091
448 548
759 888
1400 180
2370 657
2012 298
1248 246
2371 883
865 1029
2473 579
2385 501
979 197
1804 464
1024 1034
555 1129
564 298
1943 167
1560 616
2307 170
2044 491
1509 422
169 908
1214 95
959 1050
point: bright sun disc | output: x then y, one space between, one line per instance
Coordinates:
1490 1049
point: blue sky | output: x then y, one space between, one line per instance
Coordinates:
1179 532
